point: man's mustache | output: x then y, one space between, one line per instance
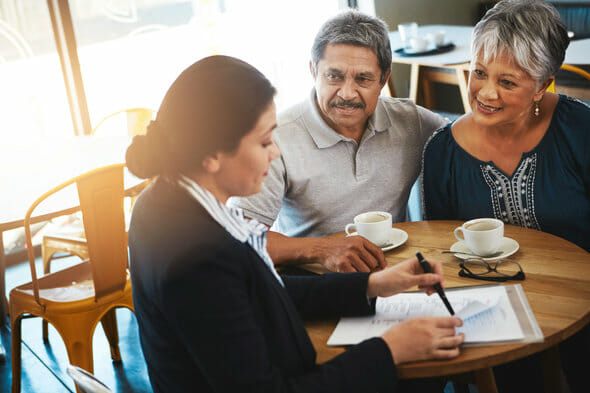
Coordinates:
347 103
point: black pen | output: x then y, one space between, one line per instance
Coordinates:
428 269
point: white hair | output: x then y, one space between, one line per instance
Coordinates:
531 32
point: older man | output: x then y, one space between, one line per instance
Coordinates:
345 150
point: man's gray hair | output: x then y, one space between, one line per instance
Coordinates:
529 31
358 29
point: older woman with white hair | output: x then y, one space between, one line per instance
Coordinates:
521 154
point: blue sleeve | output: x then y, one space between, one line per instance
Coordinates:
574 120
437 196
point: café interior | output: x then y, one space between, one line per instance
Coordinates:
80 77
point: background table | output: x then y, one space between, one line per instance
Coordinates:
557 286
449 67
453 67
578 52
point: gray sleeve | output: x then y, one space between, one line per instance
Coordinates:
429 122
265 205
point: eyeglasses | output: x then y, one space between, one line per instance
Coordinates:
500 270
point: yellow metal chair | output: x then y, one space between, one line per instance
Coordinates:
75 299
571 68
134 121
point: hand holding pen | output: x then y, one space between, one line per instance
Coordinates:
437 287
403 276
416 338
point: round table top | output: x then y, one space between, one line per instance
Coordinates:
557 286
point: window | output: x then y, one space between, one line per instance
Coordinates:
130 51
33 102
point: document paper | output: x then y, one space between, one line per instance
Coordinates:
486 312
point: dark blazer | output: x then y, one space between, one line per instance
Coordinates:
213 318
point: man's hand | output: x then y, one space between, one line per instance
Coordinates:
348 254
424 338
403 276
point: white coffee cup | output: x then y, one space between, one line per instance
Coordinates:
406 32
482 235
436 38
374 226
418 44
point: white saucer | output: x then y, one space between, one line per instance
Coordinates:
508 247
396 239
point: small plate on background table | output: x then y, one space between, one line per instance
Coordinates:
430 50
508 247
396 239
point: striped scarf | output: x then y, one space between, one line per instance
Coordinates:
232 220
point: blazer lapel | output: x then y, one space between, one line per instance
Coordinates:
301 338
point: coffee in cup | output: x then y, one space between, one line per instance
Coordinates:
374 226
481 235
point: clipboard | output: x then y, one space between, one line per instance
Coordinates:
512 305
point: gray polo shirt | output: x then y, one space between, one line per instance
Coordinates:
323 179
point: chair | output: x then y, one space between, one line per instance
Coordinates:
134 121
75 299
571 68
86 382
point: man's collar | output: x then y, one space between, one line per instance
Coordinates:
325 136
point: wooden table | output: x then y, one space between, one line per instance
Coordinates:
557 286
31 168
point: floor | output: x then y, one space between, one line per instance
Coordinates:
44 364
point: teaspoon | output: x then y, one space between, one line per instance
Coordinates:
496 254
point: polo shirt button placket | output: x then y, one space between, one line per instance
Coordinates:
361 170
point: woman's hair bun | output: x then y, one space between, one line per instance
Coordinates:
144 155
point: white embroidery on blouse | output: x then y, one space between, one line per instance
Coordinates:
513 201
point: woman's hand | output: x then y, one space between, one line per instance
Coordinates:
424 338
403 276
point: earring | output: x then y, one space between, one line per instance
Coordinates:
536 110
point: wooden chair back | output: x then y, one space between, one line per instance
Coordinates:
134 120
101 193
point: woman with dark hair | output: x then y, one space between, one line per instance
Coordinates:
213 313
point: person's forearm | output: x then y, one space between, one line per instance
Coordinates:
338 254
286 250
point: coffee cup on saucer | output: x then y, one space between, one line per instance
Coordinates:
374 226
436 38
418 44
481 235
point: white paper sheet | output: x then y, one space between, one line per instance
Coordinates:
486 312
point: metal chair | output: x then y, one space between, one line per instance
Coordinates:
134 121
75 299
570 68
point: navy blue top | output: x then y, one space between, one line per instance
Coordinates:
548 191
